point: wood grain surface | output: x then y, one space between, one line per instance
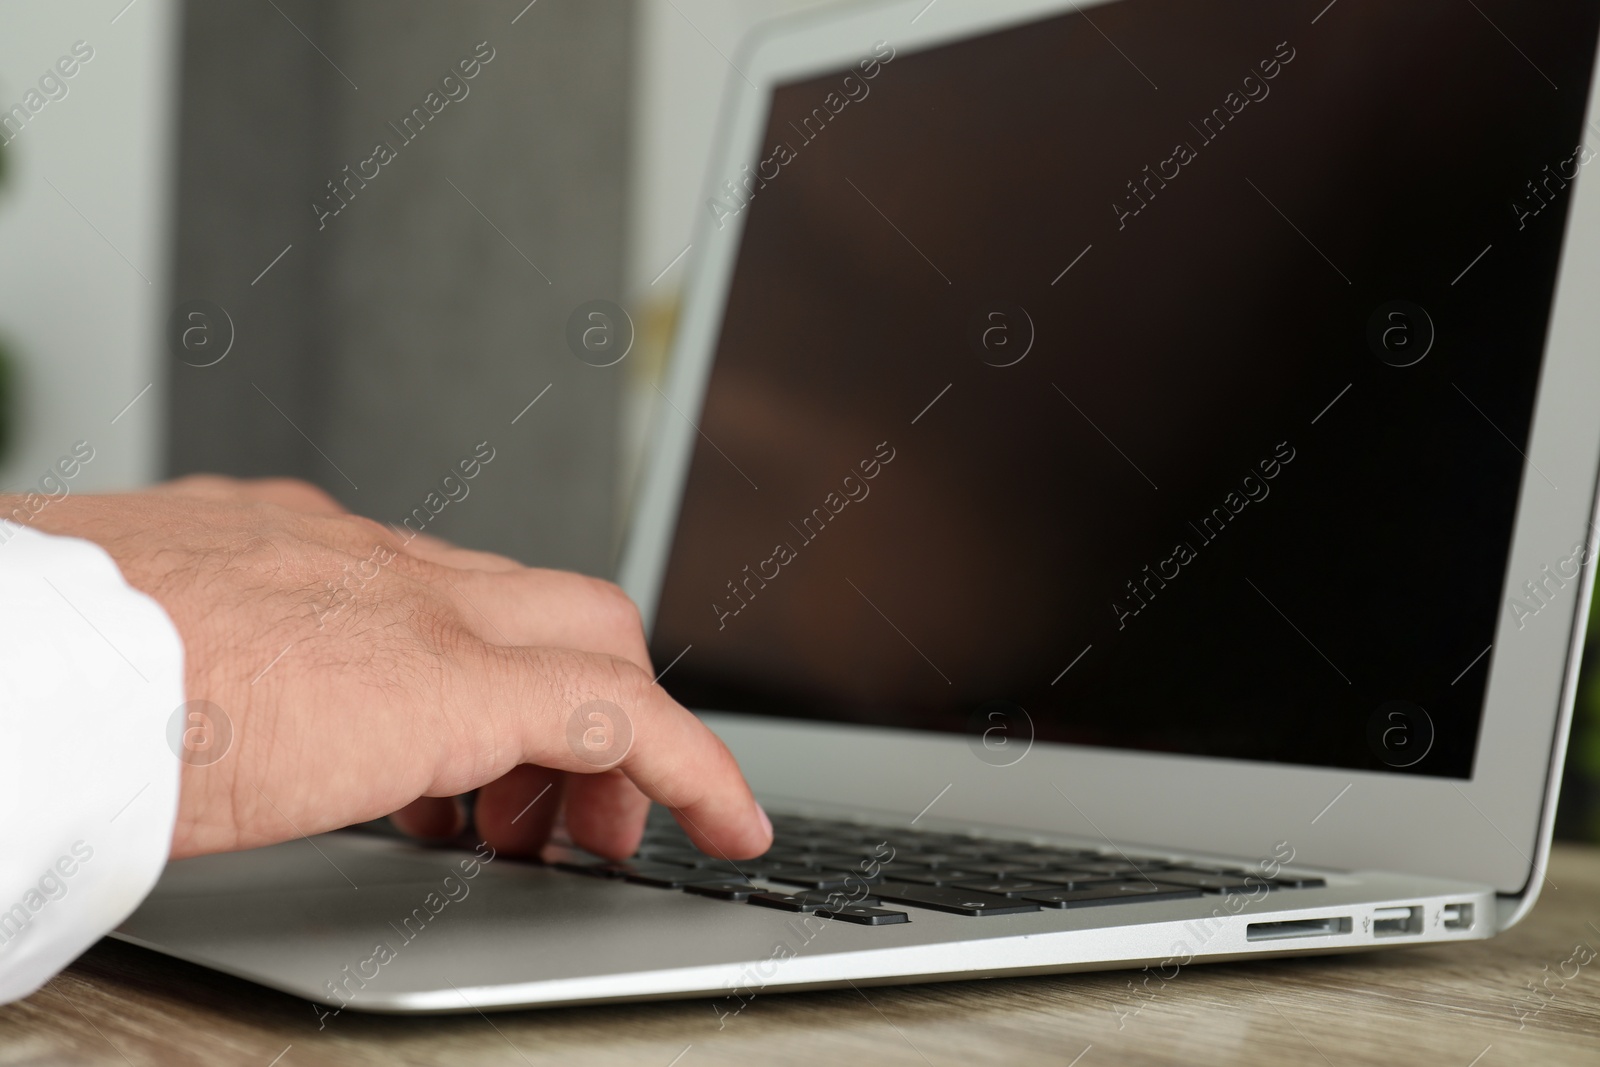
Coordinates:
1530 996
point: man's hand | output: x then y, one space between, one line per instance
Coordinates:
364 674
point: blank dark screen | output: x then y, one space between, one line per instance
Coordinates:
1206 511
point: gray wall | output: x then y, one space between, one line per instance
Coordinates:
408 328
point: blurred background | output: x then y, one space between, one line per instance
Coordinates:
205 266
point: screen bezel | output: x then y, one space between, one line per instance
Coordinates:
1493 829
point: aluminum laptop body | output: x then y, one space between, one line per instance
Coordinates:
1143 428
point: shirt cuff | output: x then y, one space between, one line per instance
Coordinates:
91 672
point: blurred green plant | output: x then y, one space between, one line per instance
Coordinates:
1578 815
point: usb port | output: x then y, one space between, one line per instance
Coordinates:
1456 917
1396 922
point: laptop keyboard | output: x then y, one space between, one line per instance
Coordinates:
858 873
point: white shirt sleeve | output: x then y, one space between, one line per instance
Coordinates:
91 673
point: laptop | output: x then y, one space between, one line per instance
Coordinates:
1126 496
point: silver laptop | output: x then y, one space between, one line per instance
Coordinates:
1126 498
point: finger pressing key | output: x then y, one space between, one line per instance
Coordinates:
586 713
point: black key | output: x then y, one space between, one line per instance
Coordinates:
825 828
895 850
722 863
774 860
670 877
811 899
868 847
723 890
865 915
783 902
602 869
780 853
1041 857
781 821
675 856
666 835
957 901
891 870
1211 883
932 859
883 851
1005 870
831 860
848 831
1111 893
1299 881
740 868
1074 879
970 848
812 878
933 875
802 842
1115 866
655 857
1007 887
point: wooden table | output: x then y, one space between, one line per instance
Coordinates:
1467 1005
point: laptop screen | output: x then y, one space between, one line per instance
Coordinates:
1158 376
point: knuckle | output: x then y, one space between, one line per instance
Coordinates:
437 629
373 530
575 677
204 485
301 492
264 554
354 535
613 679
479 728
634 684
414 568
615 607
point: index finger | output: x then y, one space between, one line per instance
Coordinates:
588 712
